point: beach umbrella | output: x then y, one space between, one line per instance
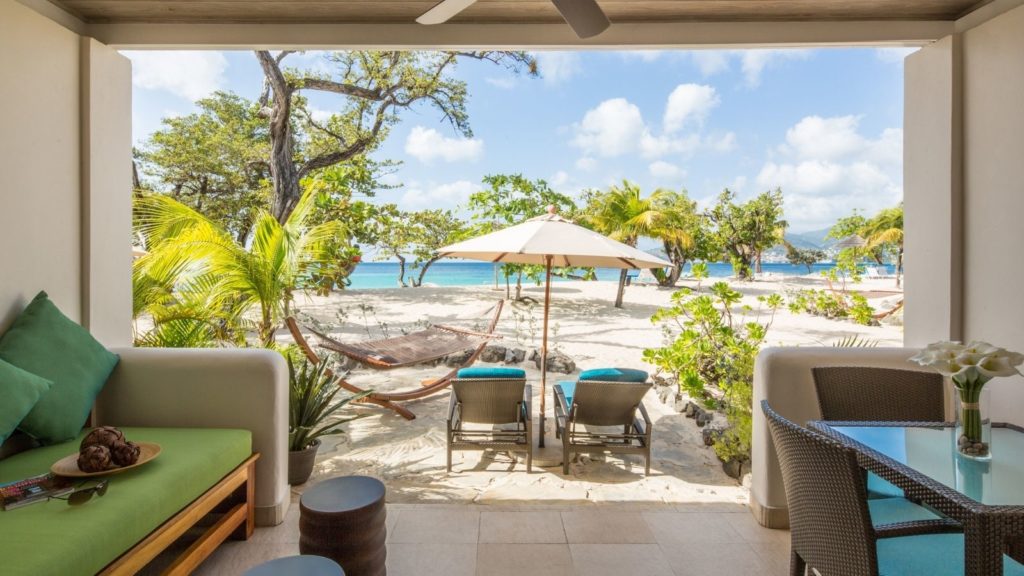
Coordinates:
854 241
551 241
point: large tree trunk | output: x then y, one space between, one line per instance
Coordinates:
401 271
283 171
622 288
899 267
423 272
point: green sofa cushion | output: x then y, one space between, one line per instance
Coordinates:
49 344
54 538
19 392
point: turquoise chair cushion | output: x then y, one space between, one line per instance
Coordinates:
488 373
879 488
614 375
568 388
895 510
931 555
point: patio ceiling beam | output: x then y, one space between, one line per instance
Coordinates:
532 36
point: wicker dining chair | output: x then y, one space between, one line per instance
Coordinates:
859 393
495 401
587 421
830 518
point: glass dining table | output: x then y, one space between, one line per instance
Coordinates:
985 497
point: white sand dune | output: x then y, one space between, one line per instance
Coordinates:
410 455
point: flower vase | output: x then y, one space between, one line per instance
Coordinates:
973 424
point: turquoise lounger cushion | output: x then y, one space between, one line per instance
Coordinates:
614 375
47 343
485 372
568 388
933 555
19 392
895 510
880 488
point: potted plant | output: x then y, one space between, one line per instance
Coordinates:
311 407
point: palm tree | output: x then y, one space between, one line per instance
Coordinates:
198 281
622 214
885 231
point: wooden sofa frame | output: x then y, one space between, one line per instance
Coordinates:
233 497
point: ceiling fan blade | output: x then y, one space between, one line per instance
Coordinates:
444 11
585 17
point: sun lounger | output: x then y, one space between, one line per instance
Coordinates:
598 414
499 399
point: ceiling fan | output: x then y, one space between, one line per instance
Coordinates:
585 17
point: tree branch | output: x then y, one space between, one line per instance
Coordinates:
339 88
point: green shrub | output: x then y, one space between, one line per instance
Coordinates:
832 304
711 342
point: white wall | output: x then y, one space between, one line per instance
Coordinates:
40 213
65 174
993 181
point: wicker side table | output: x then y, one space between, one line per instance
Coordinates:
344 519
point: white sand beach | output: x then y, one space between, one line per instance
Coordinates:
410 455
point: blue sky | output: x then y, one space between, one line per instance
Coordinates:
825 125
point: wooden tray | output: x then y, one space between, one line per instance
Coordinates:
68 465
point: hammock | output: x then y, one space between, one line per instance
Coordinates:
422 346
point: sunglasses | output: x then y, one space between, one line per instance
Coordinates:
82 495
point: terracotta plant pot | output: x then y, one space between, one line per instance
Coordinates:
300 464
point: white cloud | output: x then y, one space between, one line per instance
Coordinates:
689 104
826 168
427 145
188 74
613 128
894 55
319 115
665 171
711 62
642 55
559 179
586 164
616 127
503 82
558 67
437 196
754 62
721 143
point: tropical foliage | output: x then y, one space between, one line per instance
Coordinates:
711 343
746 230
198 283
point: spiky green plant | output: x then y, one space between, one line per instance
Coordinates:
311 404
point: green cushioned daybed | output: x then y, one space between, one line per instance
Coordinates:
55 538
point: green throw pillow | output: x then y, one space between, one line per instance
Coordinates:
19 392
50 345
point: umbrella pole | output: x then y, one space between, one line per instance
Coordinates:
544 349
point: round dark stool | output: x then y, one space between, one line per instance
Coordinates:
297 566
344 519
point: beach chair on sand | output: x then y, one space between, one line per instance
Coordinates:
407 350
598 414
498 398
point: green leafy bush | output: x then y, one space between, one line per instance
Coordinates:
832 304
711 341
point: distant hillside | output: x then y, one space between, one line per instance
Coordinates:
813 240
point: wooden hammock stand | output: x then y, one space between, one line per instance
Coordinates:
430 344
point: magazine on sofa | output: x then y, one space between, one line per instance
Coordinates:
35 489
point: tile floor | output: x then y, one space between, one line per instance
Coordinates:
594 540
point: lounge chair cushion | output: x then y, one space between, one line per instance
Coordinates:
568 388
20 391
934 555
614 375
55 538
47 343
485 372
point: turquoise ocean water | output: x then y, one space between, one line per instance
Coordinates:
462 273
